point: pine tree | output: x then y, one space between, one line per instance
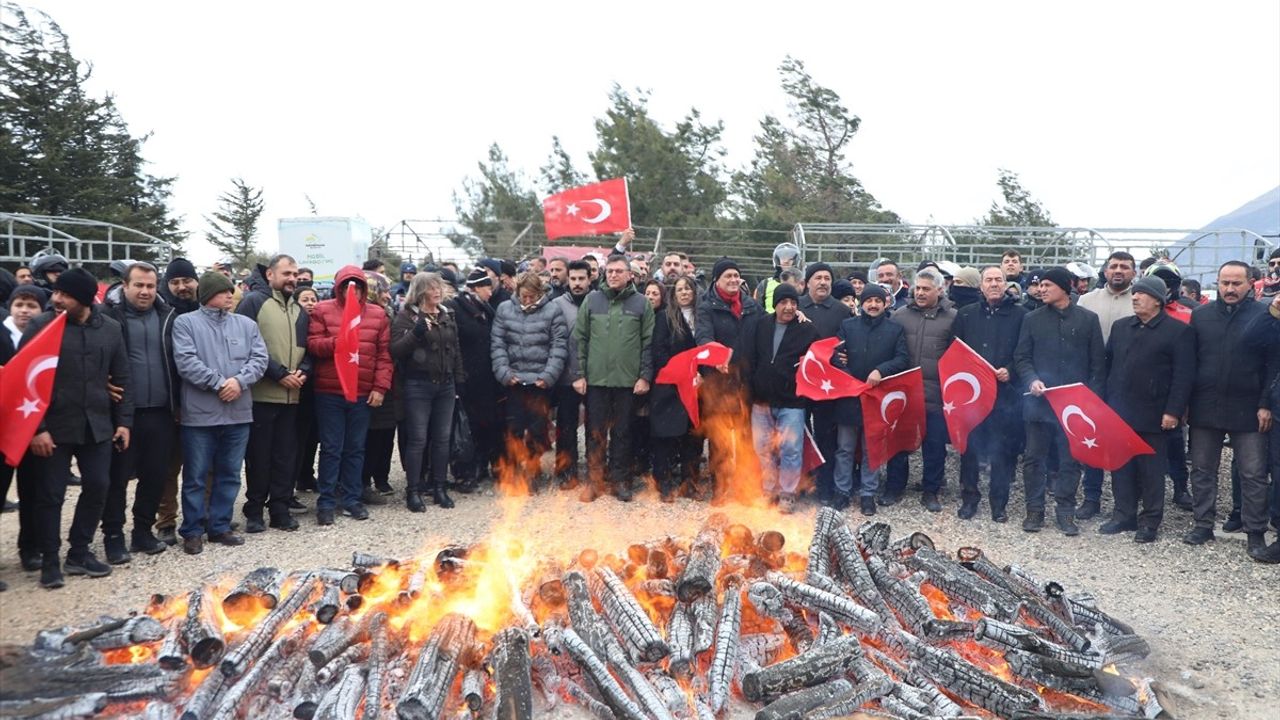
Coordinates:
496 206
235 223
559 173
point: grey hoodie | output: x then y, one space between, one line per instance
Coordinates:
210 346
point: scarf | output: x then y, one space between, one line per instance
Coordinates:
734 301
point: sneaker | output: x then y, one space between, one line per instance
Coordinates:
1183 501
372 497
115 551
168 536
786 503
1233 524
1067 524
51 575
286 523
890 498
383 487
1145 535
356 511
193 545
1269 555
967 510
84 563
1115 527
297 507
1034 521
1088 510
867 505
324 517
1198 536
145 542
254 525
1256 541
229 539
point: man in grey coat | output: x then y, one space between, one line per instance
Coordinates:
219 355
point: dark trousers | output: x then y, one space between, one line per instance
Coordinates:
148 459
1041 438
379 446
1250 451
342 427
1176 450
670 455
424 431
94 461
1142 478
1092 484
528 415
269 460
823 415
996 440
568 407
933 457
167 515
31 479
308 443
608 432
641 447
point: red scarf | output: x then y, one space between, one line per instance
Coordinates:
734 300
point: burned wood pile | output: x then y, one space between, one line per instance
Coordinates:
728 624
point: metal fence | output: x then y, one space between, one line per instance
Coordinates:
81 241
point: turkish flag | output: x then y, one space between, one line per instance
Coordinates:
812 457
818 379
595 209
968 391
346 348
893 416
26 388
1095 433
682 371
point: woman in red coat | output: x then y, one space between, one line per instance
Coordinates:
342 425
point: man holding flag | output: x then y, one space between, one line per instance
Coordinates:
990 330
349 340
1059 343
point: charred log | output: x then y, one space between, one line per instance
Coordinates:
433 674
849 702
704 613
827 520
327 605
811 668
262 670
699 575
375 671
333 640
1006 636
257 641
134 631
512 675
842 607
680 638
626 615
873 537
724 662
341 702
369 561
333 670
960 678
347 582
257 591
200 634
796 705
26 676
594 667
854 569
171 656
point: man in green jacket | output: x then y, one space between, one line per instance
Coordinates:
613 331
269 470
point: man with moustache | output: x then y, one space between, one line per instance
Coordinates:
567 400
826 313
179 292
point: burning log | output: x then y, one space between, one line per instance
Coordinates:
827 520
940 703
798 704
257 591
308 692
433 674
848 702
904 596
669 690
25 676
680 638
473 680
72 706
513 675
133 631
333 670
612 692
270 661
204 701
375 671
759 648
1052 673
816 666
828 629
171 656
327 605
628 618
854 569
699 575
960 678
593 706
1006 636
201 635
333 640
703 614
725 660
369 561
1117 648
347 582
340 703
281 683
904 546
818 599
258 640
582 614
1045 715
1080 612
963 585
873 537
973 559
658 588
650 700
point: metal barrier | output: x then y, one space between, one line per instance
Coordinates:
80 240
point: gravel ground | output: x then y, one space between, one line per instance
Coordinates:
1209 613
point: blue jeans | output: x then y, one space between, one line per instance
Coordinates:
342 427
847 437
219 448
778 434
424 431
933 452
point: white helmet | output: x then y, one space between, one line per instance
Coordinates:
786 251
1081 270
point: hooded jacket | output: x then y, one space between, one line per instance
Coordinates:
284 325
529 345
613 330
374 339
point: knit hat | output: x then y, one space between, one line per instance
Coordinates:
212 283
785 291
179 268
873 290
1061 277
479 278
722 265
1035 275
32 291
969 277
491 264
857 275
1152 286
841 289
815 268
506 267
449 277
408 267
79 284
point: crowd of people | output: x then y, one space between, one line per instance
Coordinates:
182 380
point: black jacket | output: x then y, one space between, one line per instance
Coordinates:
870 344
1059 347
1233 379
167 316
826 315
992 332
667 416
432 353
81 411
773 375
715 321
475 324
1150 368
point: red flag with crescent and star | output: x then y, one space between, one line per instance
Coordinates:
682 371
26 388
893 416
1097 436
968 391
594 209
346 347
818 379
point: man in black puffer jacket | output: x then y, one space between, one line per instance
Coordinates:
1060 343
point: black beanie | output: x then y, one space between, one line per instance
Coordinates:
79 284
1061 277
873 290
721 266
479 278
841 289
815 268
785 291
180 268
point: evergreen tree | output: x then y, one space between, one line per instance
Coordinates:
62 151
1019 208
235 223
559 173
496 206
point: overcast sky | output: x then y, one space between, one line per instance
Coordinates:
1115 114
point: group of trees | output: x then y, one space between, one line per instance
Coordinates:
801 171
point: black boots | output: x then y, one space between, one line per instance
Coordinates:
440 496
414 501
